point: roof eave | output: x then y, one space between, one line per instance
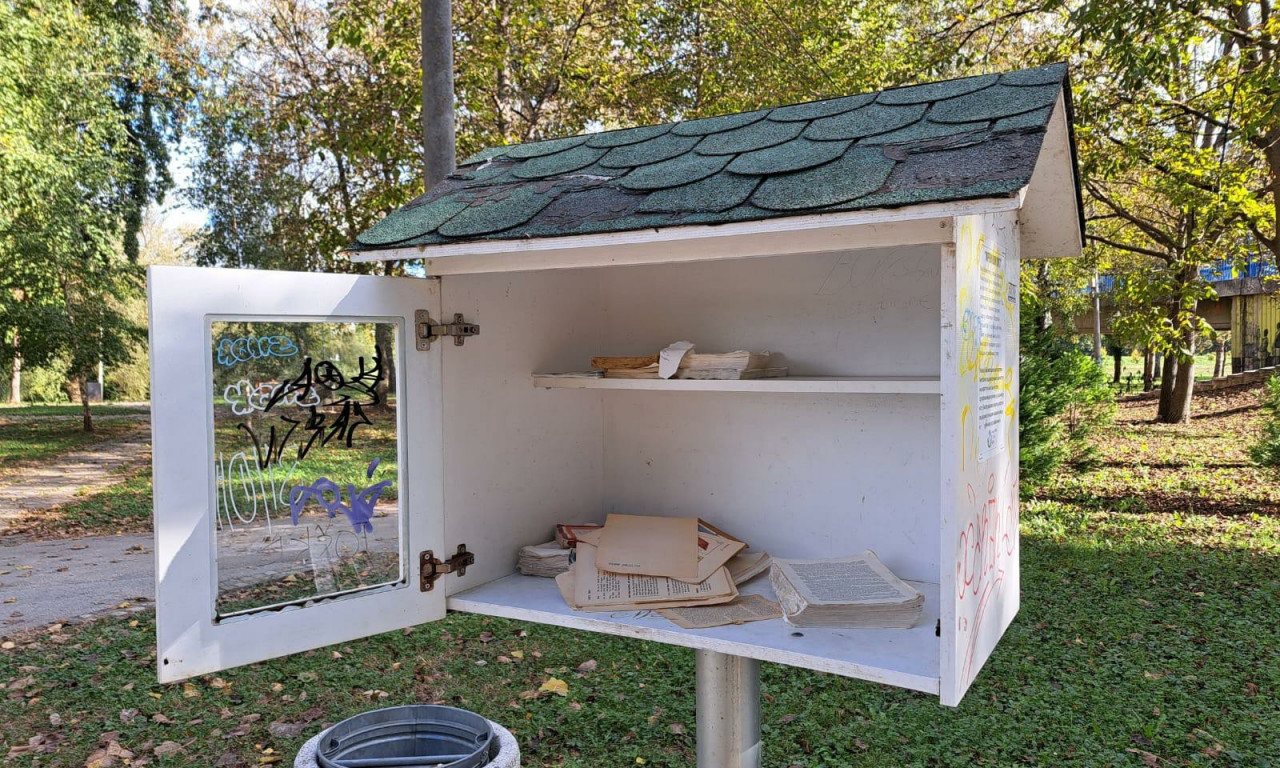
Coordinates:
875 228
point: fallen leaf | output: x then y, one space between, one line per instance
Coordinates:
286 730
306 677
268 759
159 718
167 748
503 660
676 728
55 719
228 760
8 645
554 685
587 666
517 654
486 637
128 714
786 718
1251 688
189 691
860 744
100 759
1148 759
217 682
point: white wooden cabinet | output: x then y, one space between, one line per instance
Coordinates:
897 432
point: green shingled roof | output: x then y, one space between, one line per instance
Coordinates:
935 142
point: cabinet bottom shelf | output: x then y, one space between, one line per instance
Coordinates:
907 658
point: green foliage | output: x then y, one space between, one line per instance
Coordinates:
89 101
309 126
1265 450
1063 399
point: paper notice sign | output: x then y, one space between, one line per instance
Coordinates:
669 358
652 546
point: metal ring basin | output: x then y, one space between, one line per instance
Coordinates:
412 736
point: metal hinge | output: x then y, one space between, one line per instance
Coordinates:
427 330
431 568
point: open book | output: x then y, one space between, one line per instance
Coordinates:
854 592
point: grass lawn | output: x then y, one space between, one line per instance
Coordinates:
1147 637
69 410
27 441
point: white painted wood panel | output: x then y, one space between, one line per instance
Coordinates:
517 459
804 476
849 385
854 313
906 658
980 548
183 301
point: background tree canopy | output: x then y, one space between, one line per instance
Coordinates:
302 119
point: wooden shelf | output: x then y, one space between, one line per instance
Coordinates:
902 657
867 385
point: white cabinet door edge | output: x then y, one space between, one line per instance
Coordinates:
183 303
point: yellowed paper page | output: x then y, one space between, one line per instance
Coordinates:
740 610
651 546
594 587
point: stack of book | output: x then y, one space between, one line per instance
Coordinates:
850 592
638 562
693 365
547 560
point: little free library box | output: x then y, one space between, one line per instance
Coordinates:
340 455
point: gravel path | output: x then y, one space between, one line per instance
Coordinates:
58 482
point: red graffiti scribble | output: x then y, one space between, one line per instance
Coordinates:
985 544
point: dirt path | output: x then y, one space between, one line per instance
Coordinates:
57 481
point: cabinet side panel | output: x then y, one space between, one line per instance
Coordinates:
980 584
518 459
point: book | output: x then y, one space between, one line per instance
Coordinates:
693 365
852 592
747 565
567 533
546 560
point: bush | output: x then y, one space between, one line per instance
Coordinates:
1063 398
1266 449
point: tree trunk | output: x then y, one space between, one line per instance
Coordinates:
1045 321
15 375
82 383
1219 356
385 339
1148 370
1180 403
1167 373
1119 357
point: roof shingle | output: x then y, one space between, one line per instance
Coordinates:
953 140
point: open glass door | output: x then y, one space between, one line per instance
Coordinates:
296 453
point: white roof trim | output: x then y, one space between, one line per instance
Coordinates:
1050 219
909 225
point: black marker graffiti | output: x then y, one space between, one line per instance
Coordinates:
340 411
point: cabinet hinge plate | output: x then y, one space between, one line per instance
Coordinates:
427 330
431 567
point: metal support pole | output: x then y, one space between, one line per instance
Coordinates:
728 714
437 91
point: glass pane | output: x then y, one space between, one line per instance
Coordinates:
306 459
